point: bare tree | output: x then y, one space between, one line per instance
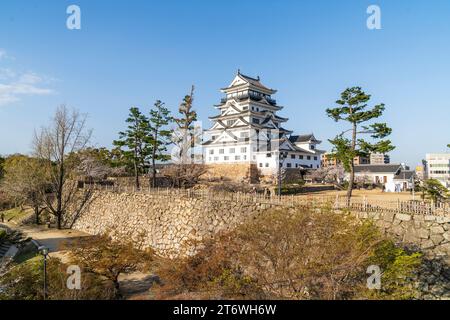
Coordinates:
332 174
66 135
24 179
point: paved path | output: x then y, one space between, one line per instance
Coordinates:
135 285
53 239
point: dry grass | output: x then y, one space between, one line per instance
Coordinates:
369 194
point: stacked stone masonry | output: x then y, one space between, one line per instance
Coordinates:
170 223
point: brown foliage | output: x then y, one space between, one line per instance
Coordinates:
301 254
25 282
184 175
103 256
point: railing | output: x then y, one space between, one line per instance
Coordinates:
337 202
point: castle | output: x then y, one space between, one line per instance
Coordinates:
248 133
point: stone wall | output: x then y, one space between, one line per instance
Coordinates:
430 234
170 221
236 172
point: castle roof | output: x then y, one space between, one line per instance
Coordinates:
304 138
244 80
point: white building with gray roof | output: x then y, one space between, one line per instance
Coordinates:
248 130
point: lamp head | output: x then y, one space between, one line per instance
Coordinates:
43 250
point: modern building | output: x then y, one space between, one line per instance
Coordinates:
394 177
421 171
328 161
248 131
379 158
438 167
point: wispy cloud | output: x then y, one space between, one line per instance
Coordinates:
4 55
14 85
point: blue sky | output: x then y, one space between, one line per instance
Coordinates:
133 52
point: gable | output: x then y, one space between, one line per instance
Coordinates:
231 109
237 81
226 137
286 145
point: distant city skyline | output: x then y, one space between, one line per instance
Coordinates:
131 53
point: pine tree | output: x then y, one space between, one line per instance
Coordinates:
134 143
159 136
353 109
184 136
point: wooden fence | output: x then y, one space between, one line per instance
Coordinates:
338 202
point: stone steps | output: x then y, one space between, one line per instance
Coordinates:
4 247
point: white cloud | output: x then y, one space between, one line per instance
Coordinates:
14 84
2 54
17 86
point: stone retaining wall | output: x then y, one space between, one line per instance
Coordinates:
170 222
236 172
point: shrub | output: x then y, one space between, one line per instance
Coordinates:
102 256
25 281
300 254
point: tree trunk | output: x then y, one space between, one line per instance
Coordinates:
58 221
136 175
117 293
352 166
350 183
153 168
36 215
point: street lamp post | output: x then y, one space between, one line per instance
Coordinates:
44 251
282 157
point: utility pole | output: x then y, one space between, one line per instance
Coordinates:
44 251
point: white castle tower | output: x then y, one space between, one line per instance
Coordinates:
248 131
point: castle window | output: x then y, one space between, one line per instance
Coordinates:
300 157
211 151
315 158
254 120
244 150
267 165
313 147
292 156
230 122
221 151
216 158
232 150
308 157
289 165
245 108
226 158
260 165
237 158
